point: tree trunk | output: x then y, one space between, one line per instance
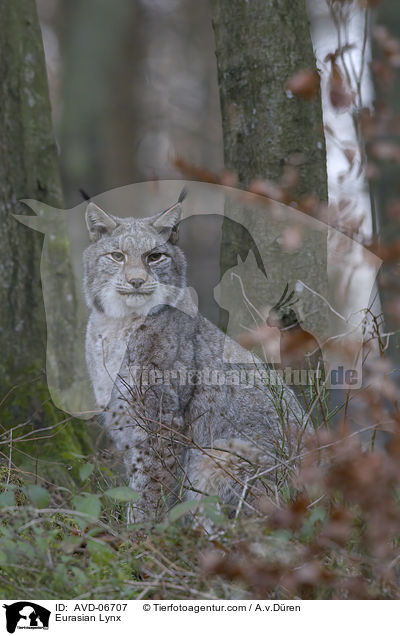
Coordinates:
101 44
259 46
386 187
28 169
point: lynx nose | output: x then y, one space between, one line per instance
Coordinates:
136 282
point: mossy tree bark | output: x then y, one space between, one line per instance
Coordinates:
259 46
28 169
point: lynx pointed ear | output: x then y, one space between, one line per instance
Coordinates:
98 222
167 221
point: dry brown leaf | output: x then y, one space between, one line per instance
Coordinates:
339 92
304 84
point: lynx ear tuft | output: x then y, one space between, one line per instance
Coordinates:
182 195
98 222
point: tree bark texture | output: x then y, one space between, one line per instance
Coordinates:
386 186
28 169
260 44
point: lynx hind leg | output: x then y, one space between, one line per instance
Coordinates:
229 470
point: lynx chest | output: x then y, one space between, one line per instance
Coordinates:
106 343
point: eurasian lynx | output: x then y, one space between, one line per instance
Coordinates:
188 422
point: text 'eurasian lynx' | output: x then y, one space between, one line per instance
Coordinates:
188 422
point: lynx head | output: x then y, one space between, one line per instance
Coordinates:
133 266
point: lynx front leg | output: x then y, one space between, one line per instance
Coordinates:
152 464
148 429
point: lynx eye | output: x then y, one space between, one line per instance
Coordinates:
155 257
117 256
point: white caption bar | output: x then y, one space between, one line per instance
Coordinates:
130 617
